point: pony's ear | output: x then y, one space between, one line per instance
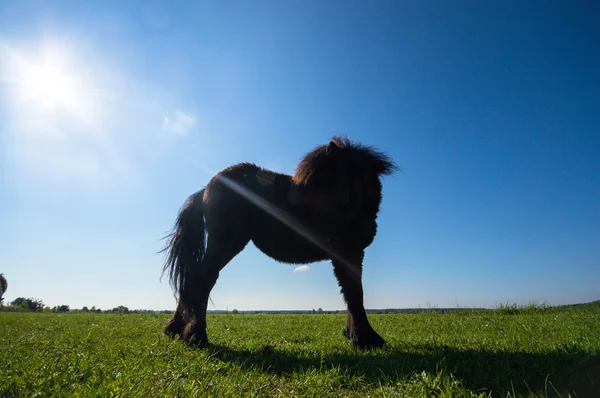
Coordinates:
331 147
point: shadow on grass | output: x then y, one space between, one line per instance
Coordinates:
567 371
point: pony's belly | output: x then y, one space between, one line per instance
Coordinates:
282 243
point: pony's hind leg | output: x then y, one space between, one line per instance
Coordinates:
358 329
219 252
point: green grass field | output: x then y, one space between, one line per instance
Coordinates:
541 352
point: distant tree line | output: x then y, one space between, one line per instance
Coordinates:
22 304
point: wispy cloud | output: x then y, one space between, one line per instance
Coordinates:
302 268
180 123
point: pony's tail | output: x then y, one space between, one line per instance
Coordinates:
186 246
3 286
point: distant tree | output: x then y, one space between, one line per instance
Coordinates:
63 308
35 304
235 311
320 310
120 310
27 304
85 309
20 303
313 311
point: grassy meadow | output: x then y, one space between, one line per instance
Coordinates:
506 352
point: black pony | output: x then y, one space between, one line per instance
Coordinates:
326 210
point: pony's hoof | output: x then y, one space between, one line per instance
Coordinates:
346 333
173 329
195 342
365 341
371 344
194 336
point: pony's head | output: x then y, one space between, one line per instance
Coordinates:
339 158
349 173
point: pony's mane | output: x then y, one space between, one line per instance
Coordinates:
367 156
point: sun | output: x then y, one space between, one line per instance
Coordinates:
47 82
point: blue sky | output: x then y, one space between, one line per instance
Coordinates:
111 112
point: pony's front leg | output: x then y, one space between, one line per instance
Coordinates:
358 329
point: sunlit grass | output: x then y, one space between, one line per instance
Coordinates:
547 352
